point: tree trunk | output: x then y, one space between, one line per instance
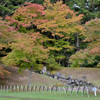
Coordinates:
30 75
59 63
77 42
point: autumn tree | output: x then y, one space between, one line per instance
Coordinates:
8 7
91 55
25 19
7 35
25 16
63 28
89 8
27 52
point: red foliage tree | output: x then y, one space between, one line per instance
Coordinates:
27 15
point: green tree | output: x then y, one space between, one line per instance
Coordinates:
89 8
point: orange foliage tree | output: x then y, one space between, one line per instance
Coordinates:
56 21
91 54
62 21
64 27
93 35
7 35
27 51
26 19
30 44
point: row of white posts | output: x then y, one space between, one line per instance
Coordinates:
57 89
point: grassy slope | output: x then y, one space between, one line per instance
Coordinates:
92 74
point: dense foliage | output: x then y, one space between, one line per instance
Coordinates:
90 8
7 7
91 55
62 28
50 34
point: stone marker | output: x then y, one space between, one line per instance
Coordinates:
44 70
70 77
63 76
84 78
58 74
55 76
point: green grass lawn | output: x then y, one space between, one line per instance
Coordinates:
46 96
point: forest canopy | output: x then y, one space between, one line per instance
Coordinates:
51 33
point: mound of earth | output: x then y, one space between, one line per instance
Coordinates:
16 78
92 74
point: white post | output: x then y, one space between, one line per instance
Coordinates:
64 90
50 89
4 88
7 88
59 89
30 89
14 88
1 88
87 91
83 91
34 88
77 91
